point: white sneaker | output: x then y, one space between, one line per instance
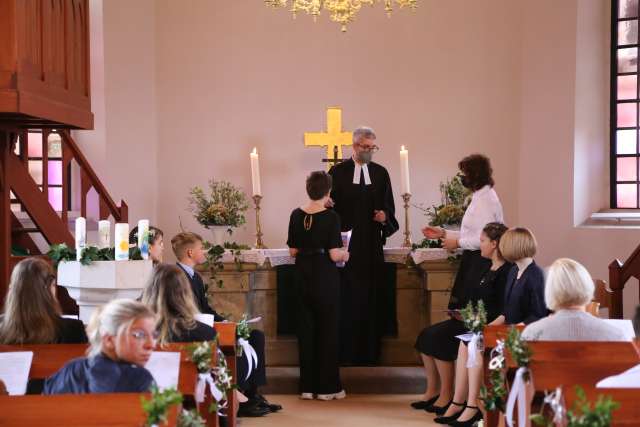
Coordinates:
337 396
306 396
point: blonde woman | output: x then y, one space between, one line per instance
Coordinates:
568 290
122 337
32 314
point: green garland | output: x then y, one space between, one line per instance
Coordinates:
582 414
494 397
214 258
156 408
61 252
201 355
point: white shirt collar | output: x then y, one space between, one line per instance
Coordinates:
190 271
356 173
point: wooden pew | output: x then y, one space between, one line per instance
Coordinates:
567 364
66 410
49 358
227 342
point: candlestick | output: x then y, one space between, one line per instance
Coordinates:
255 172
405 183
81 236
122 242
407 230
104 234
143 238
259 244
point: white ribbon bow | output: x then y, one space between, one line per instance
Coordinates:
518 392
472 360
252 356
556 403
203 380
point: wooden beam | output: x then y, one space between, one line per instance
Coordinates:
5 211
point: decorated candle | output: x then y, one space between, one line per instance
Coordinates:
122 242
255 172
143 238
104 234
405 184
81 236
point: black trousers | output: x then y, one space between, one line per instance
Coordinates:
258 375
318 298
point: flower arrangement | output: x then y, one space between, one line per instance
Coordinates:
581 415
474 319
224 204
454 199
520 351
218 377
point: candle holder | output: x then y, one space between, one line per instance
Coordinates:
407 230
259 244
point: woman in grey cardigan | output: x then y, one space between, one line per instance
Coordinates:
568 290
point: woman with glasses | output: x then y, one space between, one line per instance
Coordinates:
362 196
122 336
32 314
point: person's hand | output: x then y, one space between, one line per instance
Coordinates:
379 216
433 232
346 256
450 244
330 203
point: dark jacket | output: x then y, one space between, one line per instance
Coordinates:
98 374
200 295
524 297
201 332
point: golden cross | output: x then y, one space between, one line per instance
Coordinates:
333 138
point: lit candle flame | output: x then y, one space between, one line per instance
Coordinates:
255 150
402 149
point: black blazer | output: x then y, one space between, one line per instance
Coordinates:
198 289
201 332
524 297
71 331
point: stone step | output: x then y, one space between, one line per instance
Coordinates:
355 379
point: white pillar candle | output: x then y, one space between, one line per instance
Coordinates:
81 236
143 238
405 184
122 242
104 234
255 172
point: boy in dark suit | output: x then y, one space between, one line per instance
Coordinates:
189 250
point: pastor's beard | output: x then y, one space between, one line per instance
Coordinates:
365 157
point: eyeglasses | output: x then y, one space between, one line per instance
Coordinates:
143 336
372 148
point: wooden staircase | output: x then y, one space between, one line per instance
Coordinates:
20 191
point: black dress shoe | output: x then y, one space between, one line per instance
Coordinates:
424 404
438 410
273 407
252 408
448 420
470 422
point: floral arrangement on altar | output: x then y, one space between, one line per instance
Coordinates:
224 204
454 199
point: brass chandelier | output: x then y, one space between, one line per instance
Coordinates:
340 11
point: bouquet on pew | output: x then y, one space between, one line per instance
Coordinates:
581 415
522 388
218 377
475 319
494 396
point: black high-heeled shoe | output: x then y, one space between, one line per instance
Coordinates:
470 422
423 404
449 419
438 410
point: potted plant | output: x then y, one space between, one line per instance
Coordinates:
221 209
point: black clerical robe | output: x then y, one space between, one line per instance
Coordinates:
364 273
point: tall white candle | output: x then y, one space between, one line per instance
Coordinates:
104 234
81 236
143 238
255 172
405 183
122 242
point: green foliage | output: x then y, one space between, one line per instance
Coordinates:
494 397
190 419
224 205
474 319
582 414
62 252
520 351
200 354
156 408
454 199
427 244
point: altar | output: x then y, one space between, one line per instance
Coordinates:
423 282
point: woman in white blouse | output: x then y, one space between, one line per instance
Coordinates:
437 344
